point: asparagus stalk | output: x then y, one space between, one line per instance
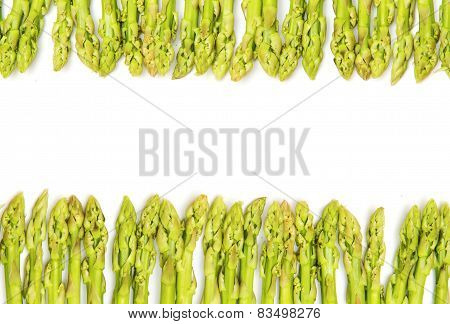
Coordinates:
381 38
327 252
428 239
268 41
192 229
242 61
292 31
305 289
111 34
87 44
405 258
362 49
169 240
132 43
232 249
185 56
212 247
404 43
58 234
313 38
95 240
36 233
374 257
425 41
225 40
442 293
30 30
145 251
76 234
271 254
11 246
444 49
249 261
148 25
61 32
343 42
350 240
288 259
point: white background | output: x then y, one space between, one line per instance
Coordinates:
370 144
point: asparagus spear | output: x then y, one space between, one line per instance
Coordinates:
33 290
95 240
169 240
313 38
428 239
212 247
405 258
362 49
185 56
225 40
132 43
232 247
249 261
271 254
444 49
292 31
343 42
305 289
381 38
350 240
242 61
374 257
30 30
76 234
327 252
268 41
288 259
58 234
148 25
87 44
425 41
145 251
11 246
111 34
61 32
441 295
404 43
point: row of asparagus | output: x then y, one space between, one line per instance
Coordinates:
295 253
144 32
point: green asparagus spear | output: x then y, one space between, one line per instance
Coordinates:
405 258
268 41
169 241
132 43
33 289
425 41
249 261
404 43
305 289
185 55
242 61
444 49
374 257
61 32
327 252
111 34
442 293
148 25
271 254
232 247
95 240
343 42
225 40
58 235
11 246
428 239
362 49
212 247
292 31
30 30
381 38
288 259
145 252
124 251
350 240
76 234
